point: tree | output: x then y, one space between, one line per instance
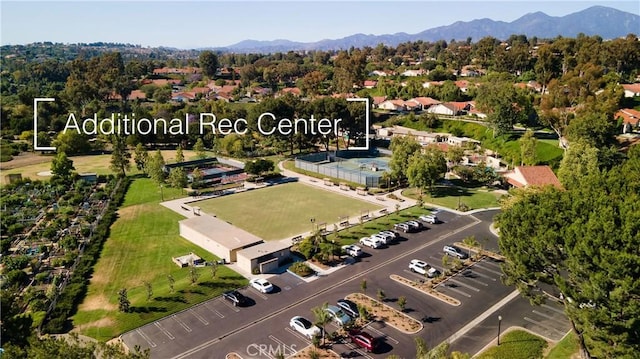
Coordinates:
471 242
363 286
499 99
141 157
199 149
381 295
179 154
579 161
586 250
425 168
454 155
171 281
528 143
596 129
403 148
402 303
178 178
72 143
120 156
197 178
124 305
155 168
193 275
208 63
62 166
322 317
214 269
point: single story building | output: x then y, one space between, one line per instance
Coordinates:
217 236
527 176
264 257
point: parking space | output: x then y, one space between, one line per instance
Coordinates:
548 320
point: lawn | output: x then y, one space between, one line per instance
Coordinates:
516 344
565 348
451 197
143 240
91 163
284 210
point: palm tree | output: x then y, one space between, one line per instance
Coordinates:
470 241
322 317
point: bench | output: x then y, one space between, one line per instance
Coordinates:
185 208
365 217
384 211
296 239
344 223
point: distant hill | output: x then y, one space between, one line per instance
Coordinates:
597 20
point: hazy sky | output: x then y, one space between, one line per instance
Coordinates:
192 24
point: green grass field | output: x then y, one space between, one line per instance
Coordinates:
516 344
142 242
450 197
284 210
565 348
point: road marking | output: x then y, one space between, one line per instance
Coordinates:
287 288
386 336
214 310
495 265
541 325
260 294
356 349
457 291
182 324
166 332
414 274
482 275
233 307
282 347
452 279
553 318
145 337
559 311
199 317
298 335
460 333
324 290
478 266
473 280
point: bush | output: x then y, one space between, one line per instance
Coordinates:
301 269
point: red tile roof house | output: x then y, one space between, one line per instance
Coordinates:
369 84
629 116
528 176
631 90
424 102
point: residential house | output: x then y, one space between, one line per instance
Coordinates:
424 102
423 137
528 176
461 141
414 73
393 105
382 73
631 90
470 71
630 118
534 85
292 90
429 84
450 108
377 100
463 85
177 71
369 84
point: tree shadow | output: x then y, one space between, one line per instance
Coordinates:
430 319
147 309
178 299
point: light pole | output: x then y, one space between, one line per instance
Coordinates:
313 221
161 194
499 321
459 194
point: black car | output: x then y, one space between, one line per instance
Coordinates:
236 298
349 307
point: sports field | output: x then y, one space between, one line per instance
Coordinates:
285 210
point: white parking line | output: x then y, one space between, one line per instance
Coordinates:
482 275
166 332
414 274
553 318
473 280
463 284
199 317
383 334
260 294
298 335
145 337
496 265
214 310
456 290
182 324
479 266
283 348
357 350
541 325
559 311
229 305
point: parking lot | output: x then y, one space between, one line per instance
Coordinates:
261 330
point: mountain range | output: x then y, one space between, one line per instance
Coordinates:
604 21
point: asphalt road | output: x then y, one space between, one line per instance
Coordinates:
214 328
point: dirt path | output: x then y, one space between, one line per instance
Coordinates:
24 159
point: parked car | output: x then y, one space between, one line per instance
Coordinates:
348 307
371 242
352 250
403 227
393 234
304 327
382 238
454 251
236 298
364 340
337 315
415 224
262 285
422 267
429 218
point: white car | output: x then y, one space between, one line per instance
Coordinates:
262 285
390 233
382 238
304 327
429 218
422 267
337 315
371 242
352 250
